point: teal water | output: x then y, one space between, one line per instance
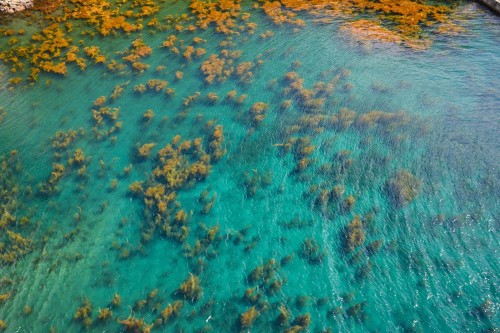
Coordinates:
429 265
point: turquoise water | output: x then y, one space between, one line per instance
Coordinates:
426 265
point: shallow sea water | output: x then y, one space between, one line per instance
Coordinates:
438 260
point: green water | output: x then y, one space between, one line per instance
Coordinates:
438 256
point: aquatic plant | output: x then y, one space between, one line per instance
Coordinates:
135 325
356 310
244 72
171 311
406 18
300 323
135 53
144 151
4 297
264 274
116 301
78 158
374 247
349 203
311 252
403 187
148 115
190 289
248 317
50 187
258 112
487 309
84 314
215 145
221 13
105 314
217 68
297 223
255 180
27 310
354 234
212 98
136 188
283 317
117 91
62 140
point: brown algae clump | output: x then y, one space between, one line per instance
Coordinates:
403 187
135 325
354 234
13 244
190 289
311 252
248 317
170 311
84 314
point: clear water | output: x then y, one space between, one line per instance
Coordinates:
438 262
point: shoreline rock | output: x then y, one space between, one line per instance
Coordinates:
12 6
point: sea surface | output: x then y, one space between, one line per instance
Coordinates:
418 183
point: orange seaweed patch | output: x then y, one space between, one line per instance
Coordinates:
95 53
100 14
178 164
407 17
222 13
135 53
219 68
365 30
278 16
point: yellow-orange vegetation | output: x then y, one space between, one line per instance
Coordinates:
135 53
222 13
273 9
94 52
407 16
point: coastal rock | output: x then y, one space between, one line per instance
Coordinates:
12 6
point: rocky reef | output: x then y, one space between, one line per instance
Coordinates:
12 6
